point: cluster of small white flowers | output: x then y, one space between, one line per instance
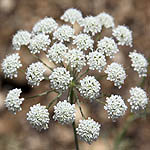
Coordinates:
63 33
139 63
35 73
76 59
39 42
96 61
46 25
38 117
123 35
83 42
60 79
106 20
116 73
115 107
91 25
88 130
13 101
57 52
64 112
10 65
107 46
90 88
20 38
138 99
72 15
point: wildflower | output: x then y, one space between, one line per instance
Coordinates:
138 99
107 46
106 20
72 15
60 79
89 88
64 112
10 65
139 63
115 107
38 117
116 73
123 35
13 101
20 38
34 74
39 42
46 25
88 130
96 61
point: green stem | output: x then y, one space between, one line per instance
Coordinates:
52 101
41 94
83 74
73 124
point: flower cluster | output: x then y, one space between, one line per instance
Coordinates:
13 101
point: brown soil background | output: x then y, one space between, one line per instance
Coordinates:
15 132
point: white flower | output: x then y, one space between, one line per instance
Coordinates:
57 52
10 65
115 107
76 59
123 35
13 101
64 112
38 117
116 73
96 61
46 25
63 33
91 25
138 99
20 38
71 15
60 79
83 42
106 20
90 88
107 46
139 63
39 42
35 73
88 130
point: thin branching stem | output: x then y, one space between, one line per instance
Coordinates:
82 74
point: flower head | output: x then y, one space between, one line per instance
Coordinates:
20 38
116 73
88 130
91 25
139 63
64 112
57 52
115 107
34 74
76 59
106 20
123 35
60 79
72 15
138 99
39 42
10 65
38 116
46 25
13 101
63 33
107 46
90 88
83 42
96 61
